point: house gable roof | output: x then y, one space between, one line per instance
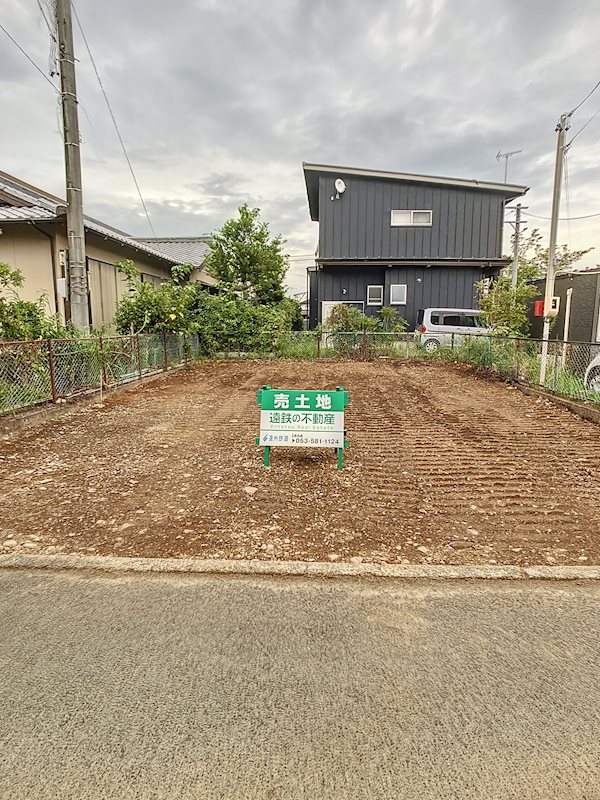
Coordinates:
312 173
21 202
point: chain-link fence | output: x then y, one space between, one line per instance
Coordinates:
37 372
53 369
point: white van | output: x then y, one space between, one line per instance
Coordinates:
439 327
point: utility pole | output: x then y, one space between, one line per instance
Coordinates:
517 223
564 123
80 315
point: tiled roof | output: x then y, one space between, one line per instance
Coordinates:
30 213
31 204
183 249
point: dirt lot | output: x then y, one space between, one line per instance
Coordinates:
443 466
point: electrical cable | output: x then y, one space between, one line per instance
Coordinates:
563 219
583 127
567 194
112 116
46 20
31 61
587 97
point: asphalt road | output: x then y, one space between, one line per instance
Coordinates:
220 687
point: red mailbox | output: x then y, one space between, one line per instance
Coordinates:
538 308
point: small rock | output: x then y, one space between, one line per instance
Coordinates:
461 545
473 532
356 560
582 558
333 556
250 490
422 549
10 543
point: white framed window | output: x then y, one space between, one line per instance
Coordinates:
405 218
374 295
398 294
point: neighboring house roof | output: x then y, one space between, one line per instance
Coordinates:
184 249
21 202
28 213
312 172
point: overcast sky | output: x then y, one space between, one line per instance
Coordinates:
219 102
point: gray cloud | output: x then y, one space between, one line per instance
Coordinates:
219 103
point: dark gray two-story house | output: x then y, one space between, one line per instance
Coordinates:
406 241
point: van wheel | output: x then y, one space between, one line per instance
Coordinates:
593 382
432 346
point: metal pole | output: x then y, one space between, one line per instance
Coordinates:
567 324
139 355
165 351
515 265
52 372
561 128
80 315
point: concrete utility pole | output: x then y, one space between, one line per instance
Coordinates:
80 315
517 224
562 127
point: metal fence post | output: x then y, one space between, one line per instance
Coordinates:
318 335
102 362
165 351
51 369
139 354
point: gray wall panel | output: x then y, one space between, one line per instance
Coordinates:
427 287
467 223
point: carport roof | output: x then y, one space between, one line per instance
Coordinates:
312 173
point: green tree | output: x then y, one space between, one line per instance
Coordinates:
392 321
504 308
344 318
533 256
246 260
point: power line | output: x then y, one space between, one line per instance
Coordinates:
564 219
112 116
587 97
31 61
583 127
40 5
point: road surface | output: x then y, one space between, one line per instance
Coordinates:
221 687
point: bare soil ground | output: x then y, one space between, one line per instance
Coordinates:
444 466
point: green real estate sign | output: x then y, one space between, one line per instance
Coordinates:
301 418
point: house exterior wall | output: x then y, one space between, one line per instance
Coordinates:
585 308
466 223
427 287
30 250
107 286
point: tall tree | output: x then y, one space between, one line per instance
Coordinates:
533 256
246 260
505 308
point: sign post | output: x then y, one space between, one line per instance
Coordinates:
300 418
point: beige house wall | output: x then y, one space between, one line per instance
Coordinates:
30 250
107 286
21 245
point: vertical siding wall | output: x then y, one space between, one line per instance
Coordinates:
467 223
445 287
585 308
